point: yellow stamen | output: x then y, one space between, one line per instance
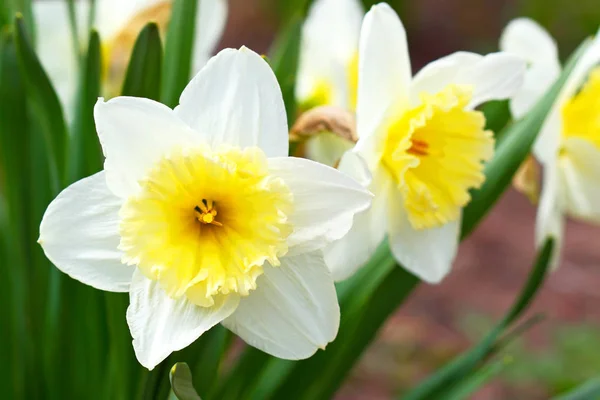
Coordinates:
170 232
206 213
435 153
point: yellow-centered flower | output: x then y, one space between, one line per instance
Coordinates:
568 146
328 69
118 23
200 215
424 144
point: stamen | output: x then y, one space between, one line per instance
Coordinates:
206 213
419 147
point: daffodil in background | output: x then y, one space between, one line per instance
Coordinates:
203 218
568 146
118 22
328 69
424 144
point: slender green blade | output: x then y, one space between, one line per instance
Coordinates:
178 50
14 196
143 75
589 390
497 116
45 103
283 57
512 150
85 152
181 382
468 387
444 378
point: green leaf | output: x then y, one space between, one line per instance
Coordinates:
587 391
143 75
85 152
497 115
178 50
181 382
45 104
463 365
14 225
511 151
283 57
469 386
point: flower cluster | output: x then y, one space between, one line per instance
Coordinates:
204 218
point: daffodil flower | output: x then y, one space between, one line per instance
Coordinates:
328 69
118 22
568 145
424 144
200 215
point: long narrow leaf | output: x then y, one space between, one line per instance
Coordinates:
283 57
85 153
178 50
432 387
587 391
44 100
143 75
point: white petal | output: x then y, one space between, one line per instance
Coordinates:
426 253
55 47
326 148
80 235
550 218
135 133
528 40
495 76
548 139
161 325
580 171
345 256
384 68
292 312
236 100
325 201
210 24
329 42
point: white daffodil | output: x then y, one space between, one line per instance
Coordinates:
568 145
200 215
424 144
118 22
328 68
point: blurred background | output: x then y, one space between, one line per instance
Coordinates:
439 322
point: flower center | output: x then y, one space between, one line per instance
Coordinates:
204 222
581 113
435 153
206 212
116 50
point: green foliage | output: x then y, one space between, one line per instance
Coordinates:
435 386
43 100
178 51
143 76
65 340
